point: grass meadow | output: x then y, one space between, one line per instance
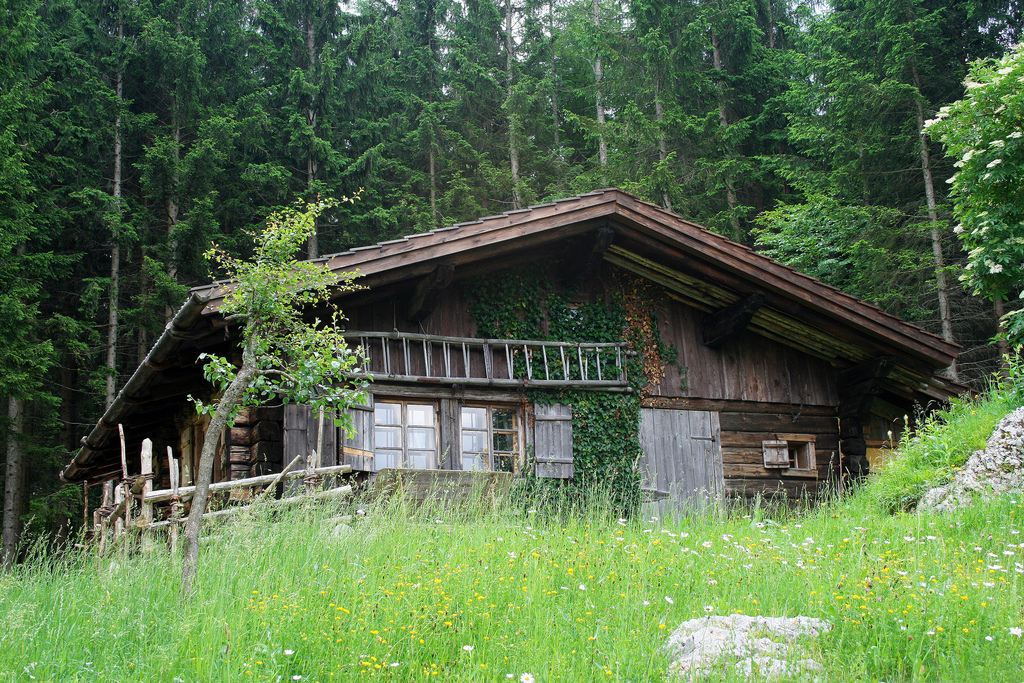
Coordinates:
521 595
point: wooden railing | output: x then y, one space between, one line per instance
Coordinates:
409 357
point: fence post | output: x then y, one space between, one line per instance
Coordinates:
176 505
119 522
146 513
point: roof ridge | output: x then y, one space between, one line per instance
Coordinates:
477 221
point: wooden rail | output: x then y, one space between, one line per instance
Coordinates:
140 488
188 491
340 491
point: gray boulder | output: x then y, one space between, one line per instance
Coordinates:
997 469
754 647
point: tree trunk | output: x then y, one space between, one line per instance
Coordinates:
204 474
433 183
602 144
14 483
115 249
513 121
659 117
68 411
312 167
141 338
941 282
173 208
557 144
723 122
1001 344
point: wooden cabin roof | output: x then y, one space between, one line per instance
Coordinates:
695 265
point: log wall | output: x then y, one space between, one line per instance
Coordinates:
256 442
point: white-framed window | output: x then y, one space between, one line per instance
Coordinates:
790 451
405 434
490 438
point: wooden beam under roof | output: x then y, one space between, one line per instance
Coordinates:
726 323
428 290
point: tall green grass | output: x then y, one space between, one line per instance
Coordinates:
437 595
932 454
547 590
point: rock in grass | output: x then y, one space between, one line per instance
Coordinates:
754 647
998 468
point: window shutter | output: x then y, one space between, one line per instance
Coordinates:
776 453
553 440
357 450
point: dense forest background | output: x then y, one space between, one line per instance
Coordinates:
133 133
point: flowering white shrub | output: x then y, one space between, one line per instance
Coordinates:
983 132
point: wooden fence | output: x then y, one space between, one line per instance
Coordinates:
115 520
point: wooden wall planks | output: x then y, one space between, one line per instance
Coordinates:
747 368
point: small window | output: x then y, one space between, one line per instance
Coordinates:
490 438
794 452
801 455
405 435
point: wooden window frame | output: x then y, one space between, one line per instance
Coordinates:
800 449
517 454
404 430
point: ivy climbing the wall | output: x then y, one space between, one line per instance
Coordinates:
525 304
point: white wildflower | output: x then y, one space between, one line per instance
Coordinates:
1015 631
958 229
996 268
669 600
997 143
468 648
971 85
1015 134
993 163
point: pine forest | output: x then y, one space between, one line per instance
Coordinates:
135 133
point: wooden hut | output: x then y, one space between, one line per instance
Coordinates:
751 378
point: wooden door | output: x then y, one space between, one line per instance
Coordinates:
682 464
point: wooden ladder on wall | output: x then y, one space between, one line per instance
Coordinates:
402 356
